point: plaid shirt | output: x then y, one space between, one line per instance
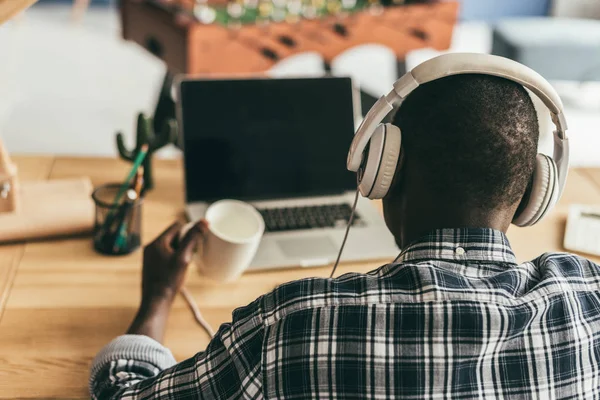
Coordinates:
457 317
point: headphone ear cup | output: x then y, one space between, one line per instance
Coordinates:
544 192
388 162
367 173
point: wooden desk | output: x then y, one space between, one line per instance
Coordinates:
60 302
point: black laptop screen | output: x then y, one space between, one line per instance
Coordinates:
266 138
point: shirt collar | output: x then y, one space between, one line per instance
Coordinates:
463 244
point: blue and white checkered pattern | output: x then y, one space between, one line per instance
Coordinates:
457 317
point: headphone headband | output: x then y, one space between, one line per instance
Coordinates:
459 64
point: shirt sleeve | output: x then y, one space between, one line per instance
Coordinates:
136 367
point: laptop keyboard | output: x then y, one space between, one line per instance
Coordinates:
311 217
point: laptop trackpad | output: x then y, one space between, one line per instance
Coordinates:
306 248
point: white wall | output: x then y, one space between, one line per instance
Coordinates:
68 88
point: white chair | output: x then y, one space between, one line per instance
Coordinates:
371 66
302 64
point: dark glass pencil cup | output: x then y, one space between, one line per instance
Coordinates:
117 228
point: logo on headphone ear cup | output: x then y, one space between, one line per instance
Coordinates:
363 164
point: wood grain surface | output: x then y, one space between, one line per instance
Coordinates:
29 169
593 174
10 8
66 301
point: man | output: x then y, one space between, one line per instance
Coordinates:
454 317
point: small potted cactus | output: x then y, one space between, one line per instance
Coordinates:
146 135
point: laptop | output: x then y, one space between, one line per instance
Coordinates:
280 145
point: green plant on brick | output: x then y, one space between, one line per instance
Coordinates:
145 135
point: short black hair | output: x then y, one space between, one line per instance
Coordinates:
474 138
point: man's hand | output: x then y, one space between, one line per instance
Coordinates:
165 263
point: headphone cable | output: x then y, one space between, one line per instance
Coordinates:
337 261
189 299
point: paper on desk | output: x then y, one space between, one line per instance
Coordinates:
50 208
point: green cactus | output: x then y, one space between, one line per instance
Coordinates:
146 135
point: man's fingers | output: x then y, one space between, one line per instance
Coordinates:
170 233
191 240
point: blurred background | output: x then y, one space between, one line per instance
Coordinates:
69 81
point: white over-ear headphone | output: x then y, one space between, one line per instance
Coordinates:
377 165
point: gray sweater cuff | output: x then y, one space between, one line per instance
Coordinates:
133 347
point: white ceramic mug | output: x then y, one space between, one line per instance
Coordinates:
234 232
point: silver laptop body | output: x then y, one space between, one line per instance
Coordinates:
262 129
